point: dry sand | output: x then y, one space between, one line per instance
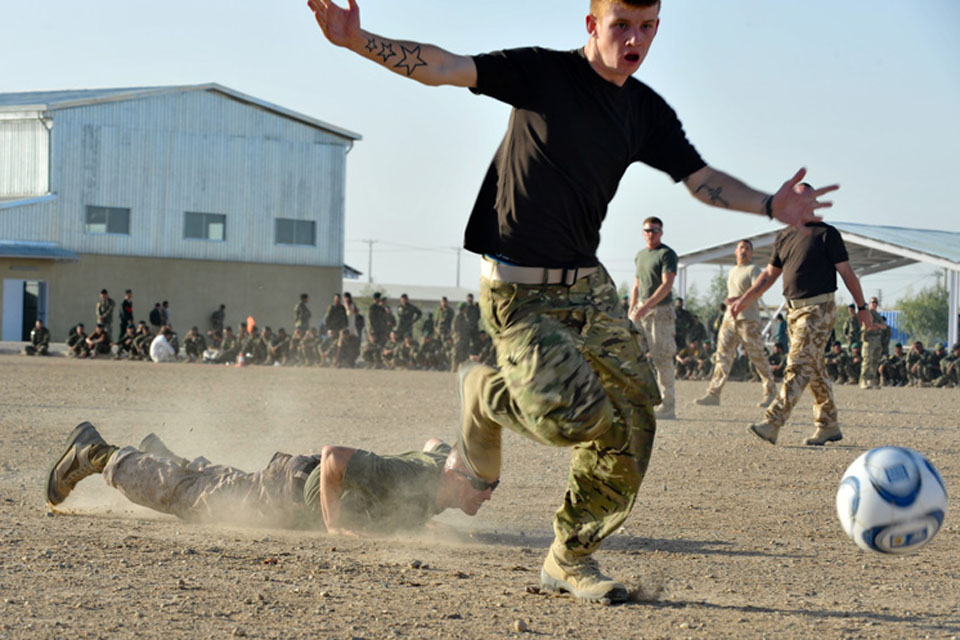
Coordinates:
730 537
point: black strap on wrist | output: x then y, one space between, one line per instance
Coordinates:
861 307
768 207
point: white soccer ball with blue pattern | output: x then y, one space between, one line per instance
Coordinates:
891 500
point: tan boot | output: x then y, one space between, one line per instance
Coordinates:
708 401
765 431
86 454
581 578
822 436
769 396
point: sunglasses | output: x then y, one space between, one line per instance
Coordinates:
477 483
652 230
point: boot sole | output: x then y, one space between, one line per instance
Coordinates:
53 498
561 588
814 443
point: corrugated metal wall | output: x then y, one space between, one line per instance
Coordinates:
24 156
192 151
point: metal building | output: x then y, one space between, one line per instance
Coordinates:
199 195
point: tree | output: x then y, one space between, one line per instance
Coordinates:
926 314
705 308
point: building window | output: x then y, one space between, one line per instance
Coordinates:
302 232
205 226
108 220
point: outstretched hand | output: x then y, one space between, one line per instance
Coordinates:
797 208
340 26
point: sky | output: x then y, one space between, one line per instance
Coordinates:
862 93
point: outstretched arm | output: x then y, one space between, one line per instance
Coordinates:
720 189
760 285
422 62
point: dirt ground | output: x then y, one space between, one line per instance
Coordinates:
730 537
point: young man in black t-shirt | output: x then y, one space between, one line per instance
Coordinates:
810 260
570 370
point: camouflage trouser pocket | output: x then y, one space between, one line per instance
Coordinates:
648 376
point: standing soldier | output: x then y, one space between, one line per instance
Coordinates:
851 326
686 325
873 348
336 317
301 313
462 332
743 331
407 315
218 317
126 311
105 307
443 317
810 259
652 311
473 315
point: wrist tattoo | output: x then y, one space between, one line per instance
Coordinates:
371 44
714 195
411 59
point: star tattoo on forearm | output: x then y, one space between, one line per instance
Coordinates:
411 59
714 194
371 44
386 51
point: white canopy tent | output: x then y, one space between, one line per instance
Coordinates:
872 249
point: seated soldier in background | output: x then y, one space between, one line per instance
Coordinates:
229 347
949 368
893 369
141 344
194 345
432 356
341 490
77 343
372 353
837 363
389 352
39 340
407 354
855 363
916 364
309 348
278 351
348 350
778 360
124 343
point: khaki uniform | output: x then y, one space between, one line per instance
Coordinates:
809 329
572 373
872 353
743 331
659 327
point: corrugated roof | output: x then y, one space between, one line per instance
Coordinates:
872 248
65 99
36 251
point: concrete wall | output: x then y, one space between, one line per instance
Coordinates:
194 288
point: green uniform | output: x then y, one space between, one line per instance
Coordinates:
851 329
301 316
407 316
872 352
384 494
335 318
194 346
104 312
443 316
460 348
39 342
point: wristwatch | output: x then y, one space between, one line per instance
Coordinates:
861 307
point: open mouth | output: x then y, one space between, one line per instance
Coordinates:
632 57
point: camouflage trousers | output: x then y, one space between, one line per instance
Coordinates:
809 329
872 354
571 373
740 332
659 328
204 492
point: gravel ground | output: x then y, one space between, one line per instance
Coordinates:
730 537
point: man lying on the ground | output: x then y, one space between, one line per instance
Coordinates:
342 490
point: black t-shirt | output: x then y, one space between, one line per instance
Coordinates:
808 261
570 139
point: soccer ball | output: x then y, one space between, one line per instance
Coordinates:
891 500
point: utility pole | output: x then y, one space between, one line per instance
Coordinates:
458 250
370 244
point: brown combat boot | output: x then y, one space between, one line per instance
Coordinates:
86 454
